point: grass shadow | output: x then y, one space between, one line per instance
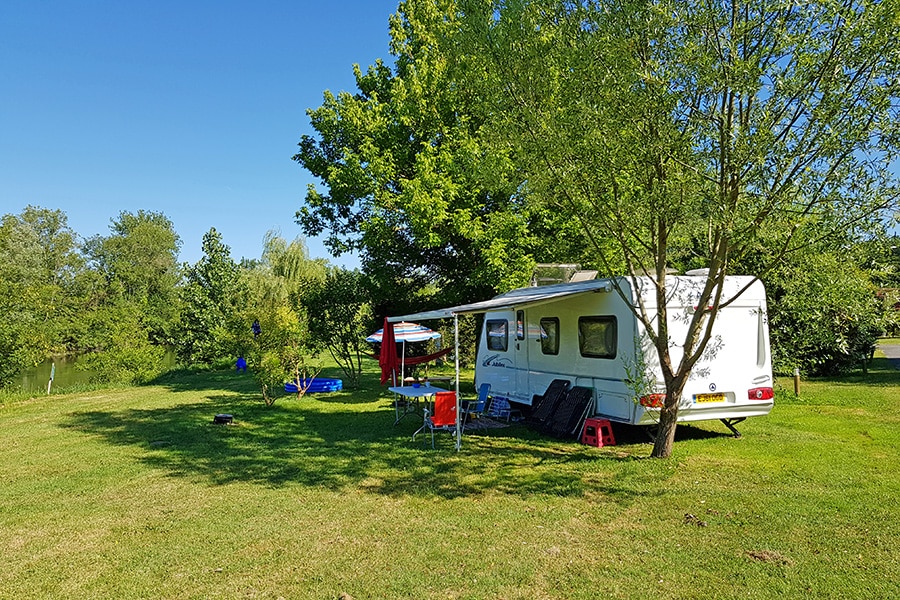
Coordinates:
881 372
192 380
338 444
229 380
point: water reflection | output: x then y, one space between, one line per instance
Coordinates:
66 373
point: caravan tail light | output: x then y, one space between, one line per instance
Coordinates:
653 400
764 393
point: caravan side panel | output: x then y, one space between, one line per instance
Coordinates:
594 340
586 339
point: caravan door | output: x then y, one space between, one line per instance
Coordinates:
496 363
521 354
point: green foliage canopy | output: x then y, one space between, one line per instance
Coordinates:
412 186
39 297
139 265
211 300
285 350
340 315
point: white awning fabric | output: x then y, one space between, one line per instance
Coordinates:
521 297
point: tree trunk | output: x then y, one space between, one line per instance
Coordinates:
668 419
665 437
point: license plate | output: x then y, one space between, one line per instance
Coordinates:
703 398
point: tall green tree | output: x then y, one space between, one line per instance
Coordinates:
132 298
682 128
291 262
55 258
825 309
39 299
340 316
121 347
139 264
212 299
275 285
411 185
283 349
824 314
279 280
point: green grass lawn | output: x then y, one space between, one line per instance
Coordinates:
134 493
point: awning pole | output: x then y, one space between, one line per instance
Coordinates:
456 343
394 370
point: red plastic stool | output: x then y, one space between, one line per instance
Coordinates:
597 432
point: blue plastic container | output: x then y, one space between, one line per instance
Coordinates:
319 384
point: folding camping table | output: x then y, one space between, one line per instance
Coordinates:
411 394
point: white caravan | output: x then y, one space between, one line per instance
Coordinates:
587 334
591 337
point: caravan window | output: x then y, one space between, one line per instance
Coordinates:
496 335
520 324
550 335
597 336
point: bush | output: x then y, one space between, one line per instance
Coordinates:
284 351
824 316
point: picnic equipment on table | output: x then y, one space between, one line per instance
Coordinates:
406 397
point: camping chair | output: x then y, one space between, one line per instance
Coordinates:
478 406
571 411
500 408
444 417
543 407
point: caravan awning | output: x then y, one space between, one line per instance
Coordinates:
517 298
520 297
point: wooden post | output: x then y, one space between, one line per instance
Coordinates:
796 381
52 373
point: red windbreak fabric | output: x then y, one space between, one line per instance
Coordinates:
387 358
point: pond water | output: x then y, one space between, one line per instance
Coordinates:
66 373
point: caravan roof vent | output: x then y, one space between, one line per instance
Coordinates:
698 272
583 276
553 273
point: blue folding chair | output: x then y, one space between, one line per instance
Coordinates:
476 407
500 408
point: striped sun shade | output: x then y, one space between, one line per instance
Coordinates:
407 332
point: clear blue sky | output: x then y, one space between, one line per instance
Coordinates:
192 109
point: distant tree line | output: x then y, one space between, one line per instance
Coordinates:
122 300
